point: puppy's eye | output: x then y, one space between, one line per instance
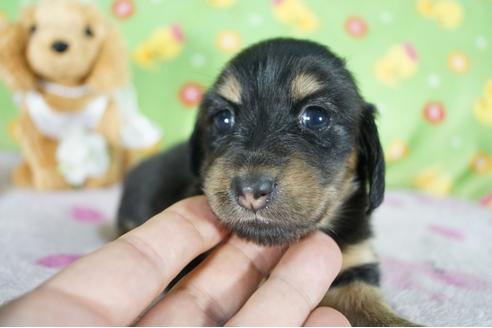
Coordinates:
315 117
89 32
33 28
223 120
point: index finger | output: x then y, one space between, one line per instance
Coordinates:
116 283
295 286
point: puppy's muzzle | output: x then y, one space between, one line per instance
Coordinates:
253 192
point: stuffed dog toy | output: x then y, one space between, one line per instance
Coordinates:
78 126
283 145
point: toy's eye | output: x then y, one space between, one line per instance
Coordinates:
223 120
89 32
33 28
315 117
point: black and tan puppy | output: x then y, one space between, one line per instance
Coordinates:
283 145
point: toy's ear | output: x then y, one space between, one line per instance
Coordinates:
196 150
14 68
371 167
110 69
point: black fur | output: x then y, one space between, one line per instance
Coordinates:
371 158
267 134
352 225
154 185
368 273
268 137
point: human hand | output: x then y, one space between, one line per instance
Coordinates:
117 283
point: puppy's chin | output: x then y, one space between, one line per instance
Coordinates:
260 228
268 234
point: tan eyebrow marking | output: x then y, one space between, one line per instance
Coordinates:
303 85
230 88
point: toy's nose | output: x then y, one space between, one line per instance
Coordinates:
59 46
253 192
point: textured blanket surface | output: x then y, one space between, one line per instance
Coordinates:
436 254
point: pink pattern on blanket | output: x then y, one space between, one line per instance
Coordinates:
409 275
426 199
86 214
57 260
486 201
393 201
447 232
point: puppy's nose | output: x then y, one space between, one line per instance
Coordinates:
59 46
253 192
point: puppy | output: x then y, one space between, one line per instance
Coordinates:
283 145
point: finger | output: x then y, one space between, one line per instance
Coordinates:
326 317
214 291
296 285
117 282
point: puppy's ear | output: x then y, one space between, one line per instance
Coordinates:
14 68
371 165
196 150
110 69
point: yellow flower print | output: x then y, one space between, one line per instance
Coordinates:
458 62
483 105
228 41
396 151
296 14
399 63
434 181
446 13
425 7
221 3
481 163
165 43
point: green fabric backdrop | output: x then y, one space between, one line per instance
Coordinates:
426 64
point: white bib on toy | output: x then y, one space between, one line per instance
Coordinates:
57 125
82 153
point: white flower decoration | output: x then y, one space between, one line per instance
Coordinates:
82 155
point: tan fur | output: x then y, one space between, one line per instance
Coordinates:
98 62
295 173
217 180
22 176
65 105
39 153
293 203
13 65
341 191
363 305
298 173
230 89
303 85
355 255
110 68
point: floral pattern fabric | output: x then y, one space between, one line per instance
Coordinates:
426 65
